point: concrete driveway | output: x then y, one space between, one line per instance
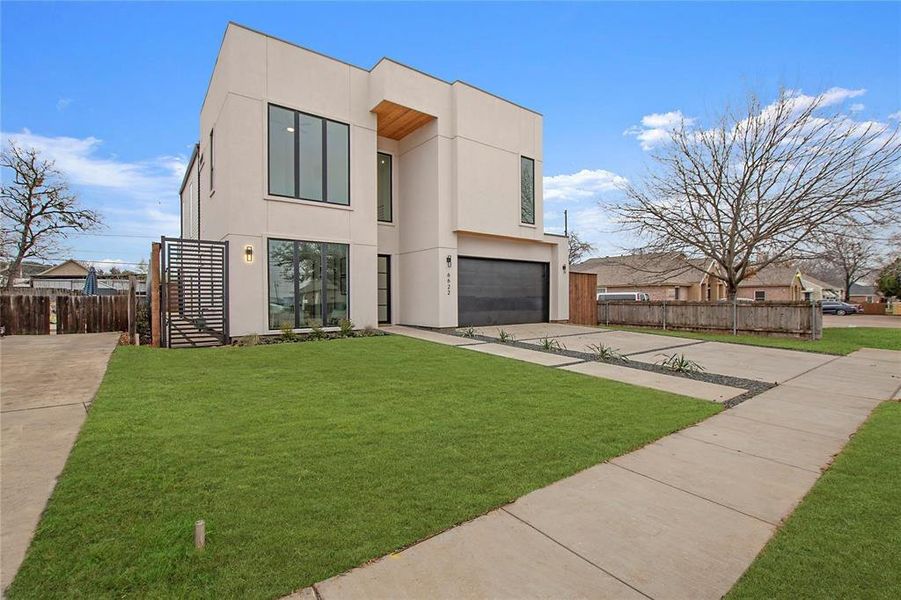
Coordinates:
771 365
47 383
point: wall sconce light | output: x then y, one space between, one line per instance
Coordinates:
449 261
564 268
248 253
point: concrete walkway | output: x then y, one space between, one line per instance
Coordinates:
680 518
580 339
47 383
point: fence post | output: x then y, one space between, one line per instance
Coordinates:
155 294
734 315
132 309
664 315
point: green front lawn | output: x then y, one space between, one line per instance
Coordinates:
835 340
308 459
844 540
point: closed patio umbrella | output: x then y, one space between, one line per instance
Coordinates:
90 283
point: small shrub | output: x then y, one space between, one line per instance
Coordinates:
288 334
551 345
370 331
504 337
248 341
316 333
679 364
469 332
347 327
601 352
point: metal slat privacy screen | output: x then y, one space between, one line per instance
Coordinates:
194 294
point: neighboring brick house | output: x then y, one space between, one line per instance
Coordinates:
663 276
673 277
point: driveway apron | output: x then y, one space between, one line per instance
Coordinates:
47 383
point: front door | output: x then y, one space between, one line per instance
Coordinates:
384 288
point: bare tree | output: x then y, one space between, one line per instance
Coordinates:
37 208
760 185
579 249
850 253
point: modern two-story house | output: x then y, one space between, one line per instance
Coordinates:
382 196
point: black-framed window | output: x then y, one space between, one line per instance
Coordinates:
760 295
308 283
384 288
309 157
385 192
527 189
212 181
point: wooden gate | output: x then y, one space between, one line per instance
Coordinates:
25 315
583 307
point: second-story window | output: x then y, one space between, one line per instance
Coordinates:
309 157
384 184
527 189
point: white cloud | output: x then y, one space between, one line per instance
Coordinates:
895 116
63 103
134 197
656 128
585 184
82 163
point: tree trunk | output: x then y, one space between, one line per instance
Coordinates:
13 272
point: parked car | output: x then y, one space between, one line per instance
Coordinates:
631 296
834 307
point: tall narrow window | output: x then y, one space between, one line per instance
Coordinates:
281 284
281 151
308 284
309 157
212 186
337 145
309 160
384 168
527 189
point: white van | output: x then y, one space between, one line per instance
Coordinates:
630 296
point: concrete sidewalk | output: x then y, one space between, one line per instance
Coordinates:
680 518
47 383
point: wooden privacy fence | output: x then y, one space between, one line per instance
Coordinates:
874 308
25 315
91 314
797 319
583 308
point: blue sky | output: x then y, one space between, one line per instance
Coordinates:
113 91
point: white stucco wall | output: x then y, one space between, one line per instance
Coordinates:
455 177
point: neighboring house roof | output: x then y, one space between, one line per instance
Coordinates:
807 279
65 270
650 269
863 290
771 276
29 268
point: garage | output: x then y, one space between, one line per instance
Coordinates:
502 292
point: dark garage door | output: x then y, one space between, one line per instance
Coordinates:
501 292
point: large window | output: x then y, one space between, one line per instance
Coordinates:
307 284
384 183
309 157
527 189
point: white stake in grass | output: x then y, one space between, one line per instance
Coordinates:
199 534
